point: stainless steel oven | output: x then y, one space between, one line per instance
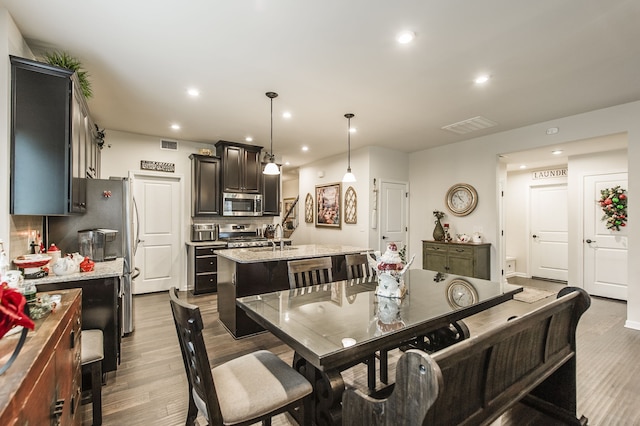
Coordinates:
237 204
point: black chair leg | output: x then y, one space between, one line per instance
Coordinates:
96 392
371 373
384 367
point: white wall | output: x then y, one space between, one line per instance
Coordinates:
517 214
390 166
328 171
475 161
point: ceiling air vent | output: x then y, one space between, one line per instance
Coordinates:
171 145
470 125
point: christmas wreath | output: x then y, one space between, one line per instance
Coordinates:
614 205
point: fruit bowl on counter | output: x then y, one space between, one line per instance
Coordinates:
32 264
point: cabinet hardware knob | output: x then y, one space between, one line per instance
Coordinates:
588 241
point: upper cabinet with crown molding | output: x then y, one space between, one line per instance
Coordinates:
52 140
241 167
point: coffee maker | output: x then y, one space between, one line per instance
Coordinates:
99 244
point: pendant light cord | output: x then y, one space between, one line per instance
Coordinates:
271 154
349 116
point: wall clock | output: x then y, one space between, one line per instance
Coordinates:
461 199
461 293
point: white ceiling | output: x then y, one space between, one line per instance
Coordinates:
547 59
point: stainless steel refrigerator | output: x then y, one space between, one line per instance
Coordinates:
109 204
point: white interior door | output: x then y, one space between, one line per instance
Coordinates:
393 214
549 232
605 251
158 257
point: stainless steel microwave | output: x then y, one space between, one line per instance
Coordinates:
237 204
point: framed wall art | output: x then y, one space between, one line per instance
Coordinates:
308 209
350 206
288 202
328 205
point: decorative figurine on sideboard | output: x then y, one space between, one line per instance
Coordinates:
447 235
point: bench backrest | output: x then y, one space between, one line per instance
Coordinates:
477 379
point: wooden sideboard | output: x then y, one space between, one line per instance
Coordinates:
43 386
468 259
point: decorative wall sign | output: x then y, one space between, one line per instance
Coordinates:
328 205
308 209
613 202
549 174
350 206
157 166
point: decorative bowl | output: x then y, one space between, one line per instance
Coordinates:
31 260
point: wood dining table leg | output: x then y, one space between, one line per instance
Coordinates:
325 406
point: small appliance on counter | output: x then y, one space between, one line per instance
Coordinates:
204 232
98 244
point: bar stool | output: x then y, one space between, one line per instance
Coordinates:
91 355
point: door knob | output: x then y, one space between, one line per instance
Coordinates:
588 241
384 238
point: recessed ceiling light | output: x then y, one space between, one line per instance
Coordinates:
523 166
175 126
193 92
287 163
305 148
406 37
481 79
248 139
286 114
557 152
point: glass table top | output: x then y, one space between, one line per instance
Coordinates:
328 318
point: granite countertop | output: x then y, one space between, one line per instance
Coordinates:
222 243
267 254
112 268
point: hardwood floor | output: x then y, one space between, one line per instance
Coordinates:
150 386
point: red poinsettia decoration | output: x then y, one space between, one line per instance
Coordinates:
12 310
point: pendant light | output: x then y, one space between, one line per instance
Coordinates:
349 177
271 168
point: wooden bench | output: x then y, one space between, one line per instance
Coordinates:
531 359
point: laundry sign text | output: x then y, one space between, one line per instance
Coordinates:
549 174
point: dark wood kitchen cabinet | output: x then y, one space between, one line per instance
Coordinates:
205 185
241 167
101 309
202 269
467 259
270 194
50 132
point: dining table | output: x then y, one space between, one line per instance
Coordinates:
334 326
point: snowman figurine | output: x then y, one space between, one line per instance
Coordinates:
390 270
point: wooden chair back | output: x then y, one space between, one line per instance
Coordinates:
188 322
308 272
358 266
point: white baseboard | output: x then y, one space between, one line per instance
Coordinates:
635 325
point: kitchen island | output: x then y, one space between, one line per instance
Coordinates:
250 271
101 303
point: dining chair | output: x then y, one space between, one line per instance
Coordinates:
243 391
91 356
358 267
308 272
